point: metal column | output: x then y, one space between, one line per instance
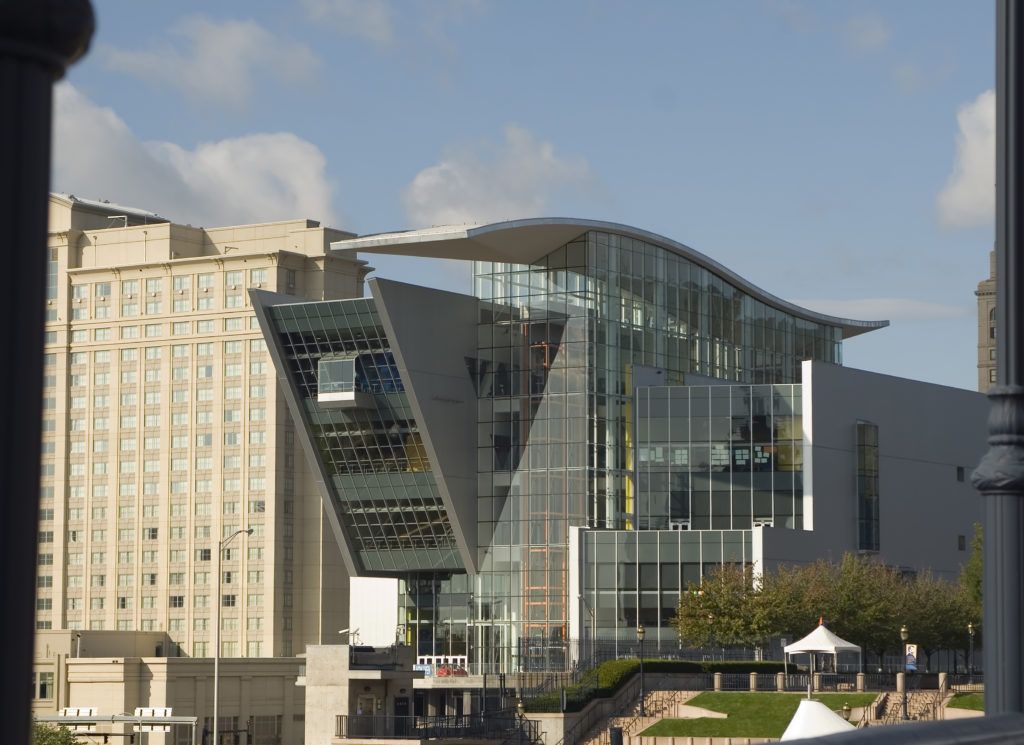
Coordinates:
38 40
1000 476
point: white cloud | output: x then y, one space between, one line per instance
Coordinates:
866 33
370 19
217 62
252 178
889 309
969 197
487 182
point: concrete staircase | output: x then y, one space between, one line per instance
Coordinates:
658 704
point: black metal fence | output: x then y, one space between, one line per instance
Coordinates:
508 728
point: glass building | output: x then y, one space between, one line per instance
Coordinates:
550 449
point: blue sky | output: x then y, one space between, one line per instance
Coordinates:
839 155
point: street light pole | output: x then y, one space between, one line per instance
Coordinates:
970 652
904 635
216 632
640 633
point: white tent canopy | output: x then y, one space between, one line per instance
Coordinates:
814 719
820 641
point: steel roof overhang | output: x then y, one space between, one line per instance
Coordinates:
527 241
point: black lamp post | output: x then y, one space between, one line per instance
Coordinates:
640 633
521 711
904 635
970 650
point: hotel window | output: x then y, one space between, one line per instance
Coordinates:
124 602
204 371
255 600
129 376
154 285
101 356
257 368
257 414
79 313
257 437
102 311
180 305
204 349
228 601
179 396
154 329
233 279
102 334
149 601
204 394
204 303
233 347
98 557
176 601
152 398
231 438
200 649
232 370
204 281
101 400
130 287
180 327
254 624
204 327
129 309
233 301
257 276
233 324
257 391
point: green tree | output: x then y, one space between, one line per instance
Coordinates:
48 734
971 577
718 611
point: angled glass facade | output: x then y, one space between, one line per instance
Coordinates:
379 478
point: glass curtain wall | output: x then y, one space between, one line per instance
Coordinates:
557 344
725 457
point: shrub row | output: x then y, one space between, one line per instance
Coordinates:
608 677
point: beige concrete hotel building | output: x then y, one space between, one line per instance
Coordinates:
164 431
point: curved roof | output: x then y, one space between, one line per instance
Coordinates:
527 241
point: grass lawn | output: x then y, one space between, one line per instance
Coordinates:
750 714
975 701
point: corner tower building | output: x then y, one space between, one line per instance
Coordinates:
165 430
512 457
